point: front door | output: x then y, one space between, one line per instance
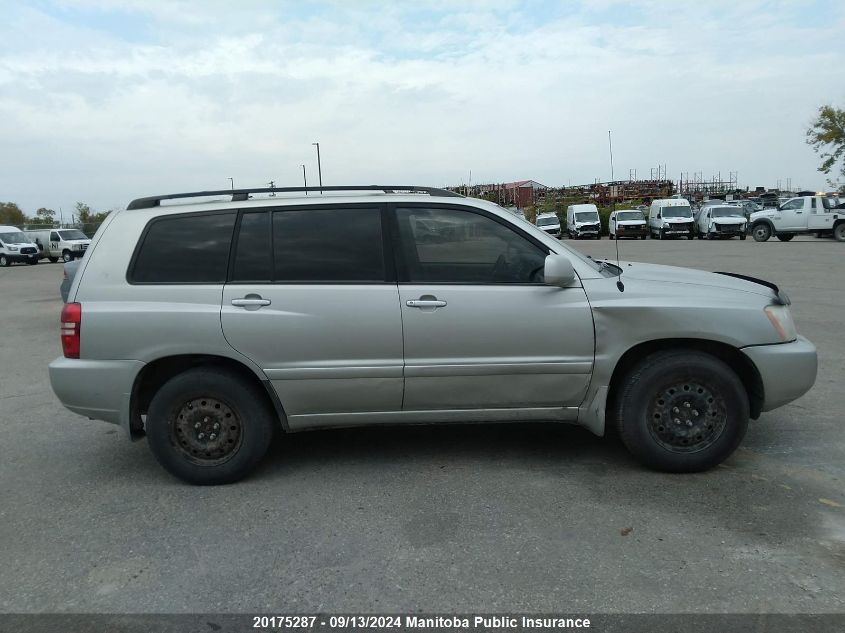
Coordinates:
481 330
309 301
792 215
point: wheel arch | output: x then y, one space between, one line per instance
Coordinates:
157 372
731 356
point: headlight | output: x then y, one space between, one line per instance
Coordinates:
13 249
781 319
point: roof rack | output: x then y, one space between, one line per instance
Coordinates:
239 195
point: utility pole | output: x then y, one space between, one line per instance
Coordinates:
272 185
319 168
232 183
304 180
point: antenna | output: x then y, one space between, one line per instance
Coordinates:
619 283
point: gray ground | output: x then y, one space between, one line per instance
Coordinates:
488 518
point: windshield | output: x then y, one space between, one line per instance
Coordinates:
14 238
681 211
73 234
726 212
629 215
587 216
548 221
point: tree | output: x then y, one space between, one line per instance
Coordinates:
10 213
44 216
84 214
826 135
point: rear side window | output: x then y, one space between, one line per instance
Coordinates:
328 245
185 249
253 257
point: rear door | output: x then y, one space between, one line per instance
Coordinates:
820 218
481 330
311 299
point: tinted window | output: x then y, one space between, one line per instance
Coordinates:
328 245
188 249
451 245
253 258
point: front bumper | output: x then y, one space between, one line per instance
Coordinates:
788 370
98 389
22 257
637 231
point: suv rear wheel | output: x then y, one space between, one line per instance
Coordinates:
209 426
839 232
682 411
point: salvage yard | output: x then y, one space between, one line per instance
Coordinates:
509 517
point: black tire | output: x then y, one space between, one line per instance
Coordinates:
4 261
53 260
742 236
839 232
645 236
207 397
761 232
610 236
32 261
661 234
67 257
705 432
786 237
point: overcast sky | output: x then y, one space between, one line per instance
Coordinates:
103 101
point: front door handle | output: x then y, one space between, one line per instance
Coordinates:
425 303
251 301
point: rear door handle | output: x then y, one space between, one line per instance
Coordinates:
251 301
425 303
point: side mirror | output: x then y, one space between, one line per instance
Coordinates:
558 271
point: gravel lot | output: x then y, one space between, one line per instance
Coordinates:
484 518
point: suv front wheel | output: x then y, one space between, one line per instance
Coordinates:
209 426
682 411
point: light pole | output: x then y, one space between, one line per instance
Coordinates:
304 180
232 183
319 168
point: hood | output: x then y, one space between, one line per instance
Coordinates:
85 241
691 276
677 220
630 222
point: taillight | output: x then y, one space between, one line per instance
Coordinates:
71 323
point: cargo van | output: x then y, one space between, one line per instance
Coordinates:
16 247
671 217
64 244
550 223
582 220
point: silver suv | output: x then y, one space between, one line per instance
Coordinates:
210 326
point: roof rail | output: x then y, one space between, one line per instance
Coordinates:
239 195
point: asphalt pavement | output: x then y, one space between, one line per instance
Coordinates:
509 517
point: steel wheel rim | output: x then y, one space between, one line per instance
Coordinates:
761 231
206 431
686 416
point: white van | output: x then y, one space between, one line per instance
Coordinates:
720 221
550 223
627 223
64 244
671 217
582 220
16 247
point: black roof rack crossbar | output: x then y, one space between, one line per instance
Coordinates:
239 195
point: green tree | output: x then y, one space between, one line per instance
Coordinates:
10 213
826 135
85 215
44 216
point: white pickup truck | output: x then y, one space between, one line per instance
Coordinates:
805 214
